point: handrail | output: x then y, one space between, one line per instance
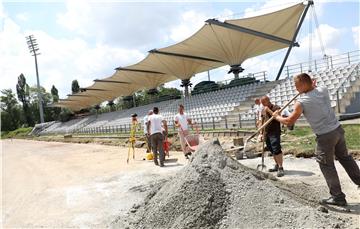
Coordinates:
261 76
328 62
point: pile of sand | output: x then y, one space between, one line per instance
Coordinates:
215 191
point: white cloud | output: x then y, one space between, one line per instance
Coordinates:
61 60
330 37
275 5
268 7
77 15
2 16
356 35
121 24
22 17
190 23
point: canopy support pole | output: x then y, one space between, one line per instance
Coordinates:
294 37
155 51
236 69
186 84
111 81
252 32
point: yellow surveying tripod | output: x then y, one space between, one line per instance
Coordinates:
132 138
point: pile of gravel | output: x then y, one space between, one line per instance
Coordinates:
215 191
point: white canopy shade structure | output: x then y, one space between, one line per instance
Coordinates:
142 79
181 66
123 82
234 41
216 44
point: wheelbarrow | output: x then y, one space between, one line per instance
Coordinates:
192 141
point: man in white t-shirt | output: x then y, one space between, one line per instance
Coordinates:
147 136
181 122
258 108
286 113
155 125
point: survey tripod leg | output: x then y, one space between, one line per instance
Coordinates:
132 141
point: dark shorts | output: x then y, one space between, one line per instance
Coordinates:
273 144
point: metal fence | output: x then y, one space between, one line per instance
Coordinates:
327 62
225 124
261 76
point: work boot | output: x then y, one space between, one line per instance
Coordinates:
276 168
333 201
280 172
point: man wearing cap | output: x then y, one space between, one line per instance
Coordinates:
133 128
134 125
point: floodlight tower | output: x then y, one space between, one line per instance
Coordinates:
34 48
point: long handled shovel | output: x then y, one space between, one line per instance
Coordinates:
268 122
262 166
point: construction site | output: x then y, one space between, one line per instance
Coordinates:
268 149
56 184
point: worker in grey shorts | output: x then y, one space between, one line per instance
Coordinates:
315 105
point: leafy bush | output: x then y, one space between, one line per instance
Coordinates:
21 132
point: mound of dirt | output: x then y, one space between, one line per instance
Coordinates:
215 191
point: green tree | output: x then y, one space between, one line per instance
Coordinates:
22 90
111 104
163 91
54 94
97 108
10 111
153 95
75 88
65 114
55 111
34 104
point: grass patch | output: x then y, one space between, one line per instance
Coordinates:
300 131
301 141
352 136
20 132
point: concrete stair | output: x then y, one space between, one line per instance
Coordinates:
349 95
232 119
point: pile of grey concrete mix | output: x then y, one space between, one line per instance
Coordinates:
215 191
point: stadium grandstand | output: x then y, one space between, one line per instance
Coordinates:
229 106
216 105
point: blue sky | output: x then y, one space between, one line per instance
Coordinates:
86 40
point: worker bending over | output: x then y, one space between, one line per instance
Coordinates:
315 106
